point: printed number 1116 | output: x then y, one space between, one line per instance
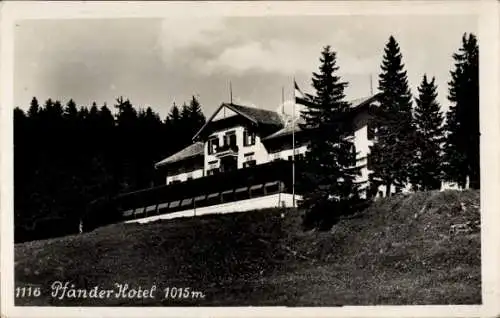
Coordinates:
27 292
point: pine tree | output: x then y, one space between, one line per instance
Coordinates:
174 116
47 109
197 118
428 121
33 128
71 111
128 142
173 130
393 152
72 128
185 118
94 112
462 119
127 115
328 181
34 108
83 113
58 109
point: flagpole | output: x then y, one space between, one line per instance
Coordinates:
283 100
231 92
293 146
371 85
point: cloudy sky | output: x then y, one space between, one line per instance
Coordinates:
154 62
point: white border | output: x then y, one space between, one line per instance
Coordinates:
490 155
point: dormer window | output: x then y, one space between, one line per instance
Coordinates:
248 138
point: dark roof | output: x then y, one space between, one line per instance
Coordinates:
190 151
260 116
257 115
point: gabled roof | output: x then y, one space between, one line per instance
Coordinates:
256 115
260 116
190 151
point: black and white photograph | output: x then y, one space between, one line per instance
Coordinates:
235 155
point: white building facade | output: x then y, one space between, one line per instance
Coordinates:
237 137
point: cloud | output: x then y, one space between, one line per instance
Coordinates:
277 56
188 42
276 48
215 45
237 46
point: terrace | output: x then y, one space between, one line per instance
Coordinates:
253 182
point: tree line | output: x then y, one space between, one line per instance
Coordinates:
415 143
67 157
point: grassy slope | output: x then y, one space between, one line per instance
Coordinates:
399 252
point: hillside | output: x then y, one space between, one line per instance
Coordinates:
401 250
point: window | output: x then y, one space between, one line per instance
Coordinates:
250 163
213 144
248 138
230 139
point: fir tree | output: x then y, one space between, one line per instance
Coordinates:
47 109
328 181
173 123
393 152
174 116
34 108
94 112
106 119
127 115
462 119
83 113
33 128
196 116
58 109
71 111
185 112
428 119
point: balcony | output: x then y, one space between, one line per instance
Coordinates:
227 150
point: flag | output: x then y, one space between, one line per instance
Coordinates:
300 97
